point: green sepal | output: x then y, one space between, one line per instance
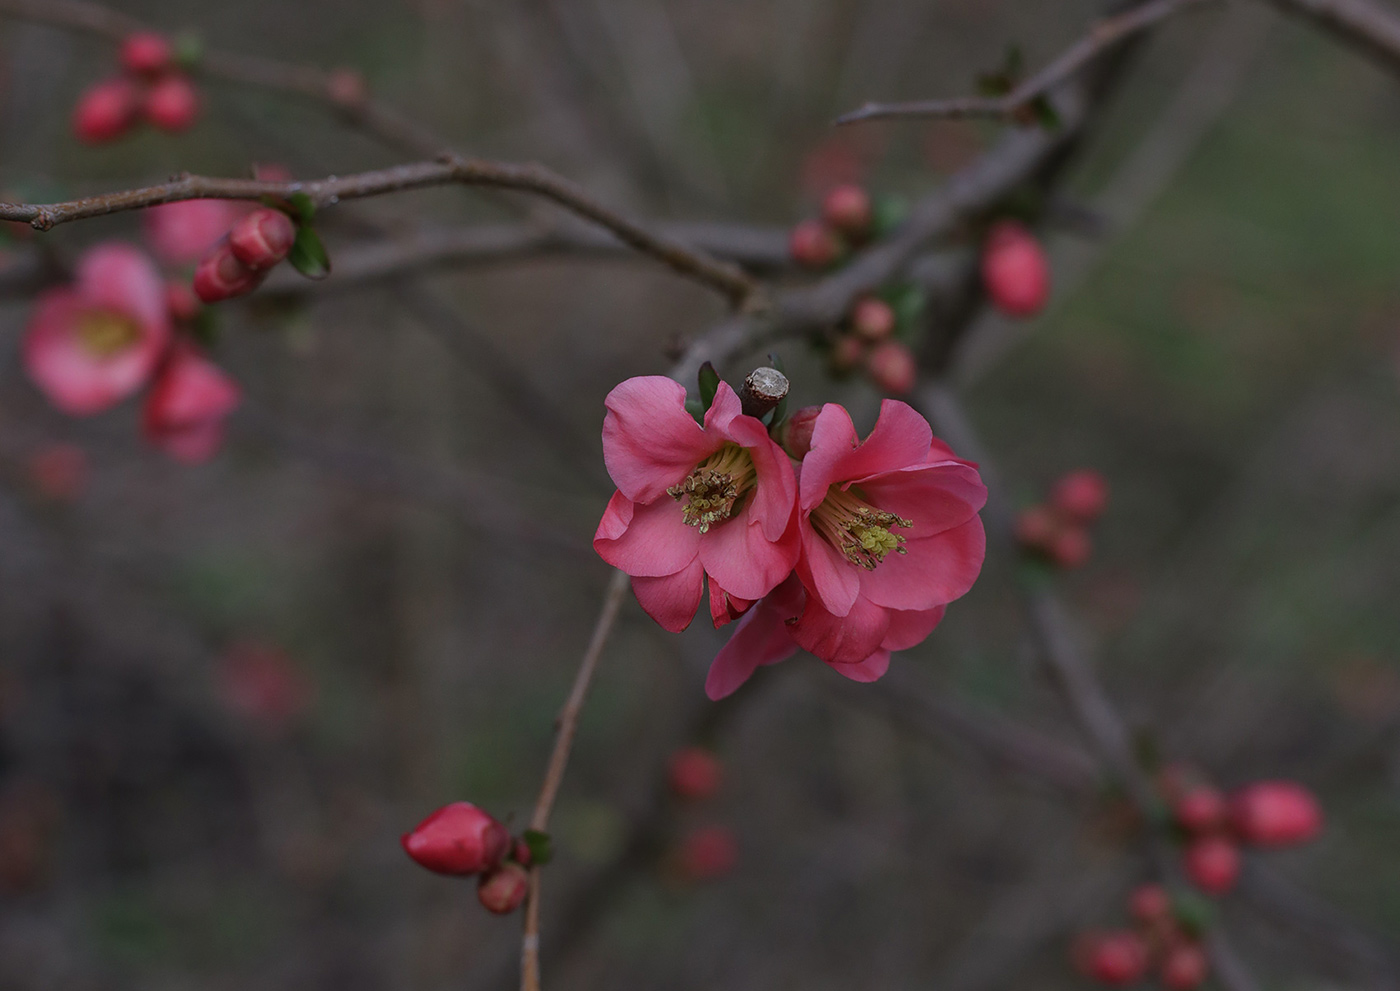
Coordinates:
308 255
540 845
709 386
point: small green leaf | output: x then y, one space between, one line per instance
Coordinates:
709 385
993 84
889 213
541 846
303 207
1195 913
308 255
907 300
1045 114
693 407
189 50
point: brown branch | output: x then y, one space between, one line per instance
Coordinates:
1102 36
1372 27
741 288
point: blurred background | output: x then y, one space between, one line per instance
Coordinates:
225 690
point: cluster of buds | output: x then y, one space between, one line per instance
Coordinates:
1015 272
869 339
461 840
850 217
1214 826
152 86
238 263
1058 529
1163 938
694 775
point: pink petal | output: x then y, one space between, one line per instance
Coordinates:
774 499
911 628
649 441
931 572
901 438
655 542
193 444
71 376
761 637
725 608
873 668
833 438
672 600
827 574
845 639
934 497
616 518
745 562
180 233
121 278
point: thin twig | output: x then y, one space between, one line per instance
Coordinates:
1102 36
1372 27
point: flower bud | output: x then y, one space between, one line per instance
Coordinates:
1149 904
872 319
458 839
694 774
1070 547
708 853
892 368
847 353
520 853
1116 958
221 275
796 437
847 209
1014 270
181 301
262 238
172 104
814 245
1201 809
146 53
1036 528
502 890
1184 966
346 88
1213 864
1080 495
106 111
1275 814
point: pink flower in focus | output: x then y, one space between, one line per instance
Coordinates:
694 501
93 344
180 233
184 412
890 534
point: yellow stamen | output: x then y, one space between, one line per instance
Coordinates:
857 529
716 485
104 333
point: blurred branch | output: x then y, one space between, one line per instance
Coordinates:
1102 35
1372 27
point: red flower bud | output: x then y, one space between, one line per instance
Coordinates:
347 89
502 890
220 275
172 104
1036 528
1275 814
262 238
797 432
872 319
1213 864
847 209
708 853
1184 967
1071 547
181 301
1115 958
1014 270
814 245
694 773
146 53
458 839
847 352
106 110
520 853
1201 809
892 368
1150 904
1080 495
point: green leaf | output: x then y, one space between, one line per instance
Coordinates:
1194 912
303 207
541 846
693 407
709 385
1045 114
189 50
889 213
907 300
308 255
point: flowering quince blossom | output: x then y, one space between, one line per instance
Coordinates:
184 411
693 502
889 533
91 345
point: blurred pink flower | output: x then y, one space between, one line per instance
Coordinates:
260 682
180 233
93 344
184 412
693 502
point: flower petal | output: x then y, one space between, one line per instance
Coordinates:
649 441
673 599
909 628
616 518
70 375
118 277
743 560
774 498
725 608
654 543
931 572
934 497
873 668
827 574
901 438
847 639
761 637
833 437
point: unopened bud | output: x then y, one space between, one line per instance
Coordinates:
1213 864
346 88
847 209
1184 967
106 110
173 103
892 368
502 890
814 245
694 773
220 275
262 238
872 319
146 53
1275 814
796 437
1081 495
1200 809
458 839
1114 958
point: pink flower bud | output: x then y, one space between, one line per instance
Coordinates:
1070 547
1275 814
1116 958
262 238
183 413
261 683
1150 904
814 245
502 890
181 301
172 104
694 773
707 853
458 839
221 275
1036 528
1184 966
1080 495
347 89
146 53
1200 809
847 353
847 209
797 432
1014 270
1213 864
59 471
872 319
892 368
520 853
106 110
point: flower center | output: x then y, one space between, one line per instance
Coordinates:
715 486
856 528
104 333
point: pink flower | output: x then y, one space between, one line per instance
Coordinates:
694 501
185 409
181 232
890 535
90 346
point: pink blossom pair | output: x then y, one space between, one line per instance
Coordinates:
851 554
